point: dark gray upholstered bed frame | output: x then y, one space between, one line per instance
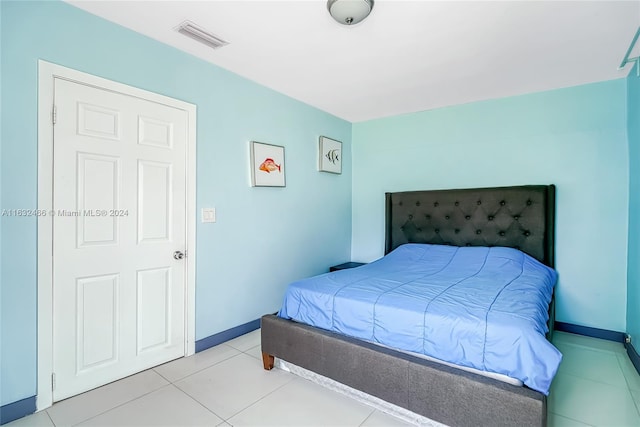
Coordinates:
521 217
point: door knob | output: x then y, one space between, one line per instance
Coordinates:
178 255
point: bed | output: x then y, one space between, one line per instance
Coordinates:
488 221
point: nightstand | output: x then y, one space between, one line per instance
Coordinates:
346 265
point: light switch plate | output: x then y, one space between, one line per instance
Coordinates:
208 214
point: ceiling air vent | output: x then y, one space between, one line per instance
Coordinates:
197 33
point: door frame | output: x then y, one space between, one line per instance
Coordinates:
47 73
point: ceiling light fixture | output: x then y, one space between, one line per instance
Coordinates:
349 12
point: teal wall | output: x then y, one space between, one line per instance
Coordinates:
574 138
264 237
633 282
1 206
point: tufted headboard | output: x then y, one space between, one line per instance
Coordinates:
519 217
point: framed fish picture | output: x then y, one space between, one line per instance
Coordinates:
267 165
330 154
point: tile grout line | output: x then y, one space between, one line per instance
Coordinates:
262 398
122 404
613 347
199 403
169 382
572 419
620 387
247 352
200 370
49 416
225 419
237 349
368 416
637 403
242 351
105 385
163 377
220 361
624 384
591 349
624 374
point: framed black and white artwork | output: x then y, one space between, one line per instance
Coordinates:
330 155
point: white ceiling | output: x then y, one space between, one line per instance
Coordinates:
406 56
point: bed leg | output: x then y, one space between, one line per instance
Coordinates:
267 361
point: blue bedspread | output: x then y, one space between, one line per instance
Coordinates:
485 308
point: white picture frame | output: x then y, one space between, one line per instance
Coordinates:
330 155
267 165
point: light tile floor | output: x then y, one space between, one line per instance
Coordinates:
226 386
596 384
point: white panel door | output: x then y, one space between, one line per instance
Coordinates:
119 200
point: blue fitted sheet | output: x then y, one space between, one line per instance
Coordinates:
485 308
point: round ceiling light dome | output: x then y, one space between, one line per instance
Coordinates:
349 12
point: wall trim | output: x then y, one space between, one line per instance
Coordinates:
47 73
634 356
227 335
16 410
590 332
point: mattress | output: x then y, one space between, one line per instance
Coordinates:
483 308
